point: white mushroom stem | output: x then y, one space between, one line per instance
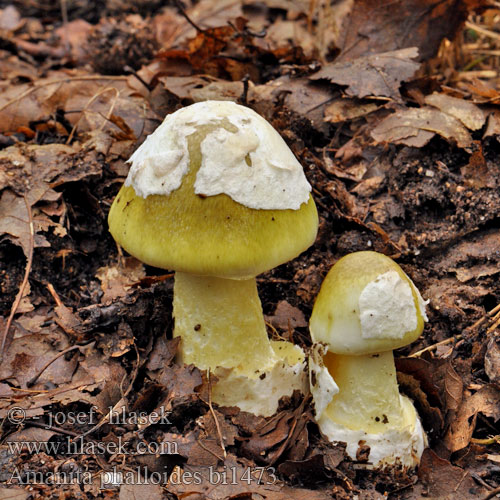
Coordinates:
368 396
221 324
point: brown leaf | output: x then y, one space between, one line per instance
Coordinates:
462 427
23 104
465 111
416 126
415 380
263 440
13 493
492 361
379 27
314 467
235 481
344 109
146 491
306 99
445 481
163 353
286 316
117 343
27 355
14 221
476 172
376 75
453 387
228 430
116 279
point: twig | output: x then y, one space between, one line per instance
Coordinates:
210 451
433 347
60 430
32 380
490 440
106 417
54 294
244 95
493 315
91 100
492 494
205 32
6 337
64 14
483 31
219 433
61 81
183 13
132 71
481 481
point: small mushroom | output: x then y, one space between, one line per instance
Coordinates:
216 195
367 306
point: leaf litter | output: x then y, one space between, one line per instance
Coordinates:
402 160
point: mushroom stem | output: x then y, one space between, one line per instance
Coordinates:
368 396
221 324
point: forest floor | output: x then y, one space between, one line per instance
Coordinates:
394 112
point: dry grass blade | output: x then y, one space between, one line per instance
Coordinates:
492 316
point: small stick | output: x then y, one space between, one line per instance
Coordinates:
106 417
60 81
433 347
54 294
186 17
219 433
490 314
32 380
6 337
492 494
210 451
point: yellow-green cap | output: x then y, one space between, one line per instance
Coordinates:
177 209
367 304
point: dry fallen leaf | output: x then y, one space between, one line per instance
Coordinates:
344 109
146 491
379 27
286 316
13 493
116 279
377 75
417 126
465 111
492 361
484 401
446 481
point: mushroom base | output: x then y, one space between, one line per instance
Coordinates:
222 328
261 396
402 445
368 409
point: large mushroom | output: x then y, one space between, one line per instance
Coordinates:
367 306
216 195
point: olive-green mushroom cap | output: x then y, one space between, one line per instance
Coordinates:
366 305
183 229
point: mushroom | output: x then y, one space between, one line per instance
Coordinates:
216 195
366 308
